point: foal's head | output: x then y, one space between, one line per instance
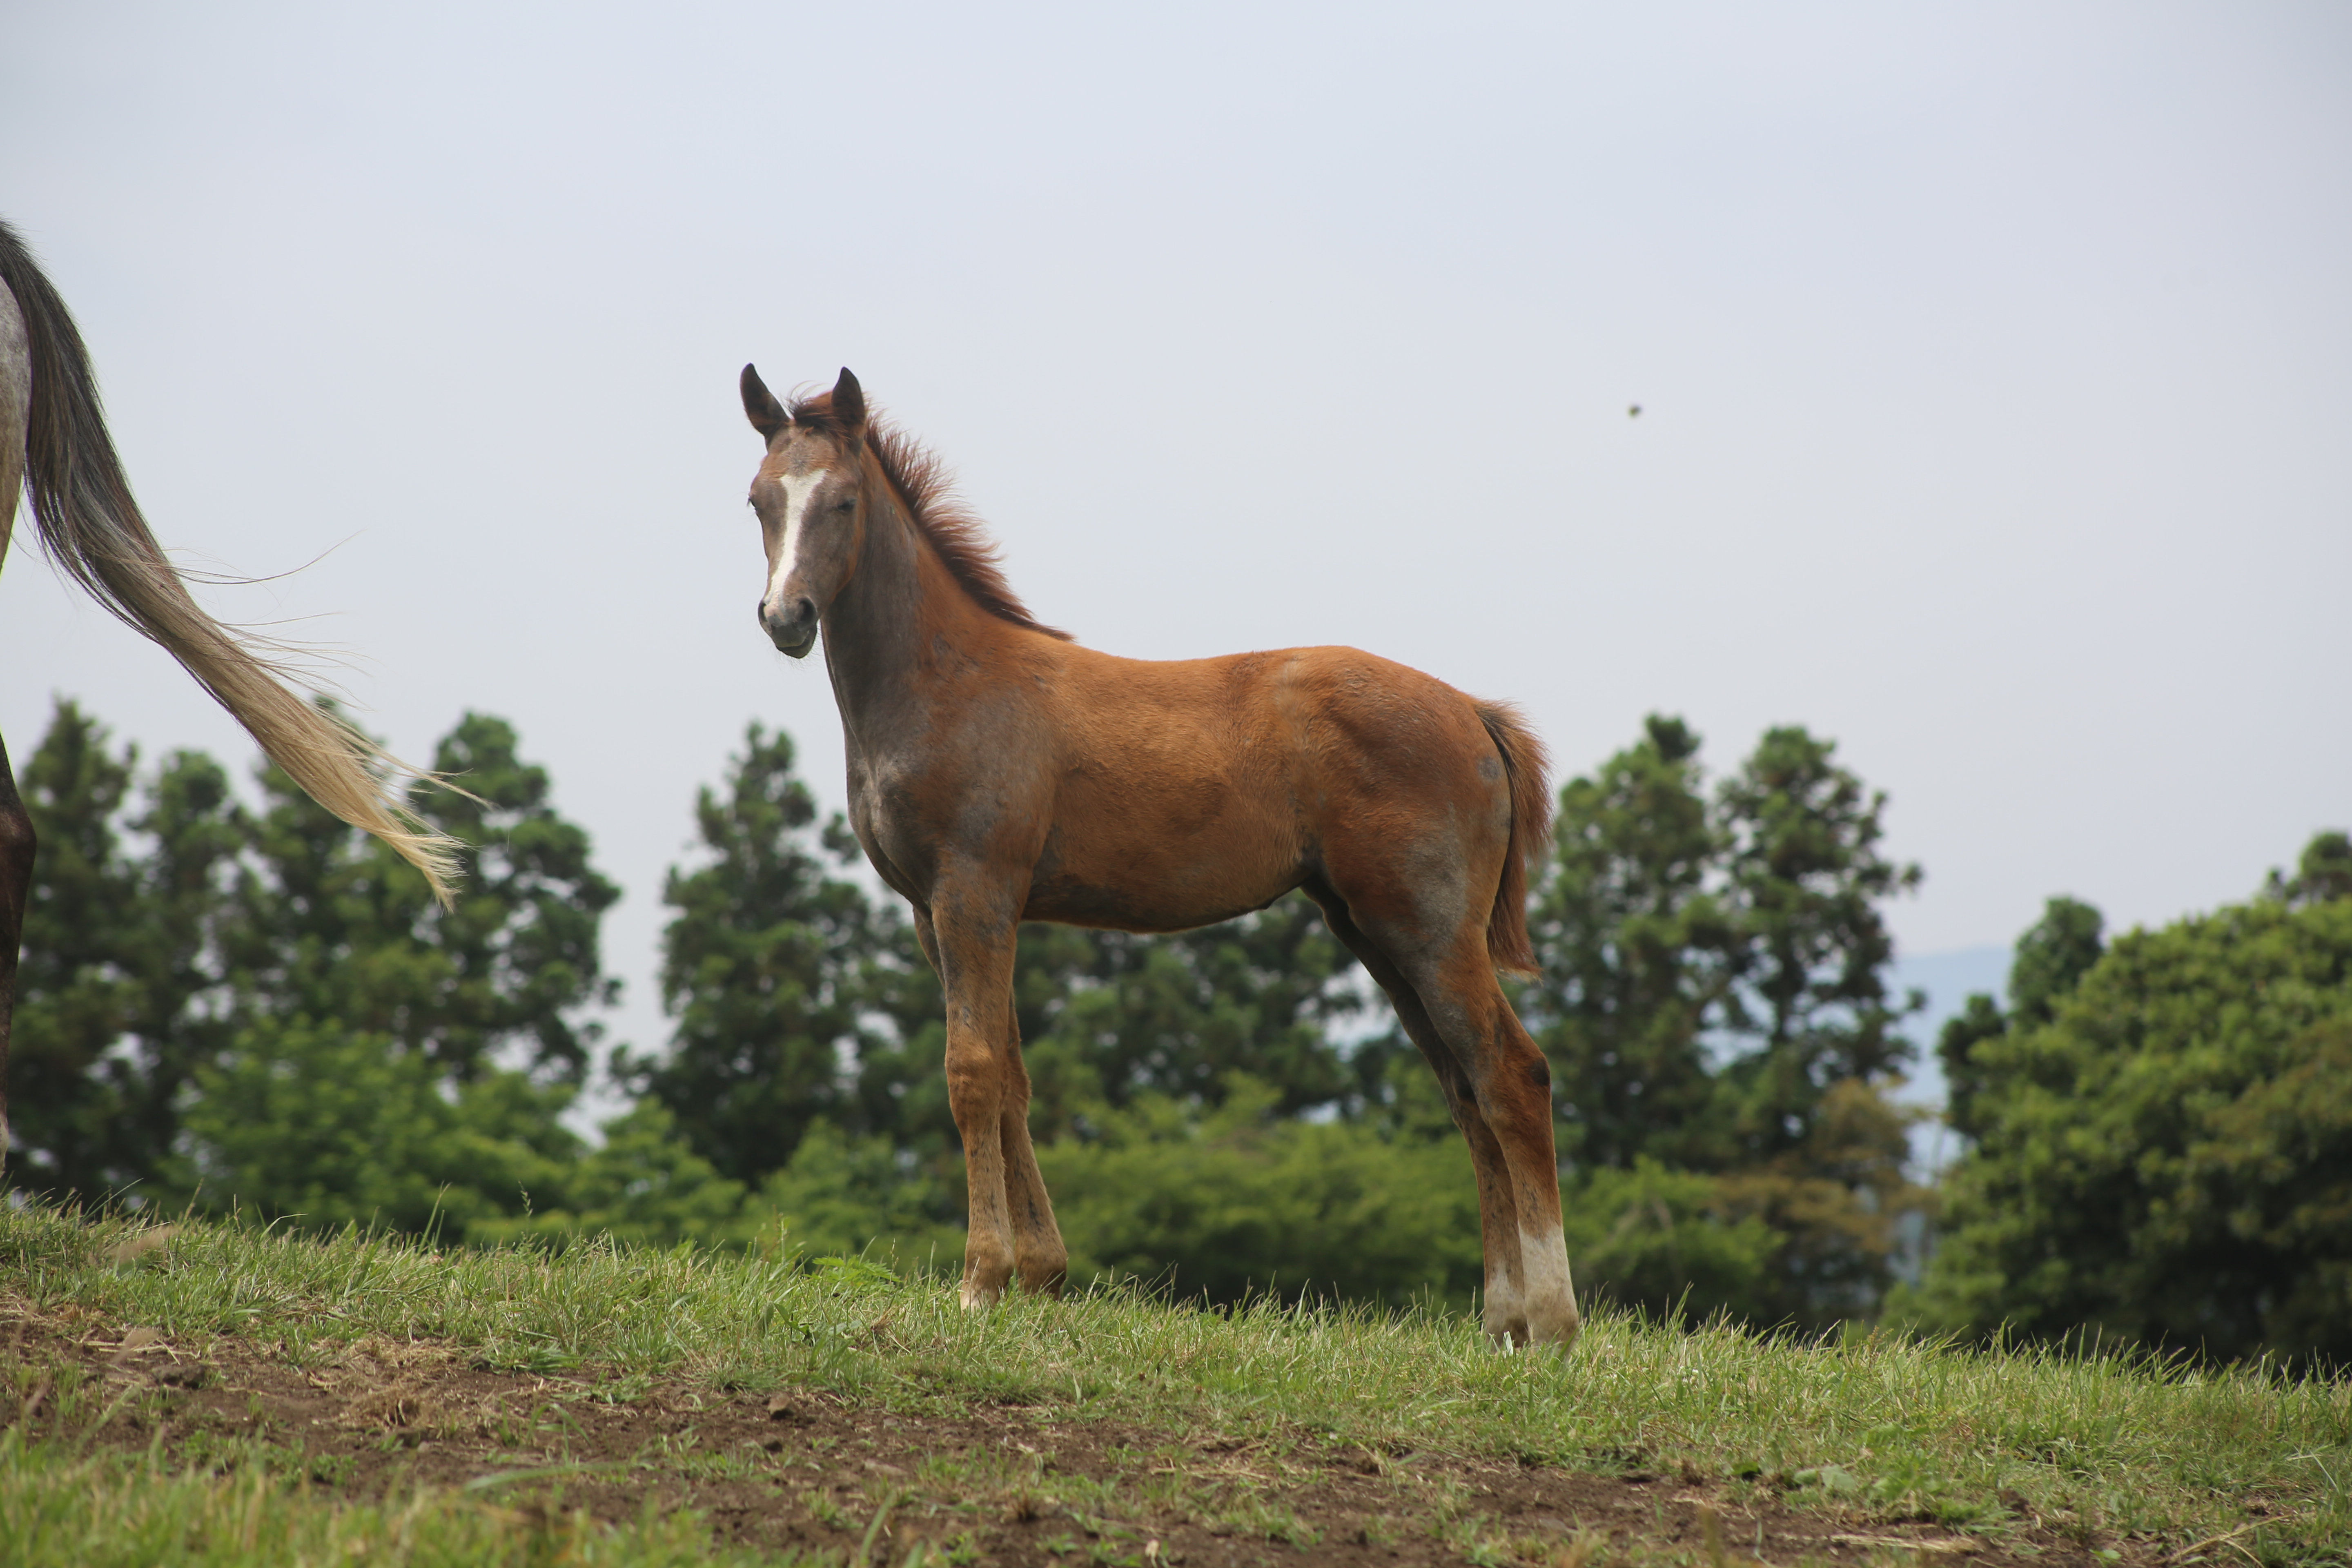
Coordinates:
810 493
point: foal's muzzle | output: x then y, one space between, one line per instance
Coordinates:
791 626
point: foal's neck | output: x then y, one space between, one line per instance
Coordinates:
889 624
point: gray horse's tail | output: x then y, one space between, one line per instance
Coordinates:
92 529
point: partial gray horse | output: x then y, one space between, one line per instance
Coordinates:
54 446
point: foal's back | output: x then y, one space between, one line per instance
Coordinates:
1191 791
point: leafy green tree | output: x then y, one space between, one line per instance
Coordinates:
312 1122
2052 958
1669 1242
335 926
766 969
323 1127
1980 1019
641 1183
1121 1017
1714 1000
842 1195
1805 879
1834 1200
175 943
1817 1147
2168 1158
1227 1201
121 948
1230 1199
2324 872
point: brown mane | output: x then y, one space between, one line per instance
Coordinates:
928 491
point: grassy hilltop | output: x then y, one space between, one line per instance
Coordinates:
212 1394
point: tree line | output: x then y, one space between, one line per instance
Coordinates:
259 1011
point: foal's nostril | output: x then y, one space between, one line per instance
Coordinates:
791 626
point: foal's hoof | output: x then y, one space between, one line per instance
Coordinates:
1047 1278
1560 1336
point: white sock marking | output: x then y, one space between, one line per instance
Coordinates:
1549 1289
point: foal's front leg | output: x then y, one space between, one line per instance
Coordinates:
1037 1249
974 945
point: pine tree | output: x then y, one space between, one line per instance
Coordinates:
73 1001
334 926
1714 1001
2050 960
2323 874
765 969
364 1072
1806 880
121 944
177 942
1819 1148
1636 947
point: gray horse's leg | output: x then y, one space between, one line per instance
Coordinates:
15 824
17 846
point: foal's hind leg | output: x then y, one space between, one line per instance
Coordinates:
1504 1315
1512 1083
17 846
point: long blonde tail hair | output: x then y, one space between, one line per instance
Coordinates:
92 529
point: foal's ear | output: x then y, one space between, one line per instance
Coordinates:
849 402
767 414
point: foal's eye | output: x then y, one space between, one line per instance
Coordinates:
846 504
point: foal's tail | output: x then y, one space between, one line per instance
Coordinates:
1523 759
92 529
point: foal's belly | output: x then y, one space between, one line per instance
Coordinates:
1127 877
1069 902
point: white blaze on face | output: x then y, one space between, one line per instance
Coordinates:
800 489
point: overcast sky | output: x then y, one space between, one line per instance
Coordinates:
1995 368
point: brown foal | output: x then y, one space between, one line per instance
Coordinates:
999 772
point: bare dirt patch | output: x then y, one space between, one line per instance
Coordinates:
803 1469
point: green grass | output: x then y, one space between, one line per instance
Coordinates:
1878 1427
97 1512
